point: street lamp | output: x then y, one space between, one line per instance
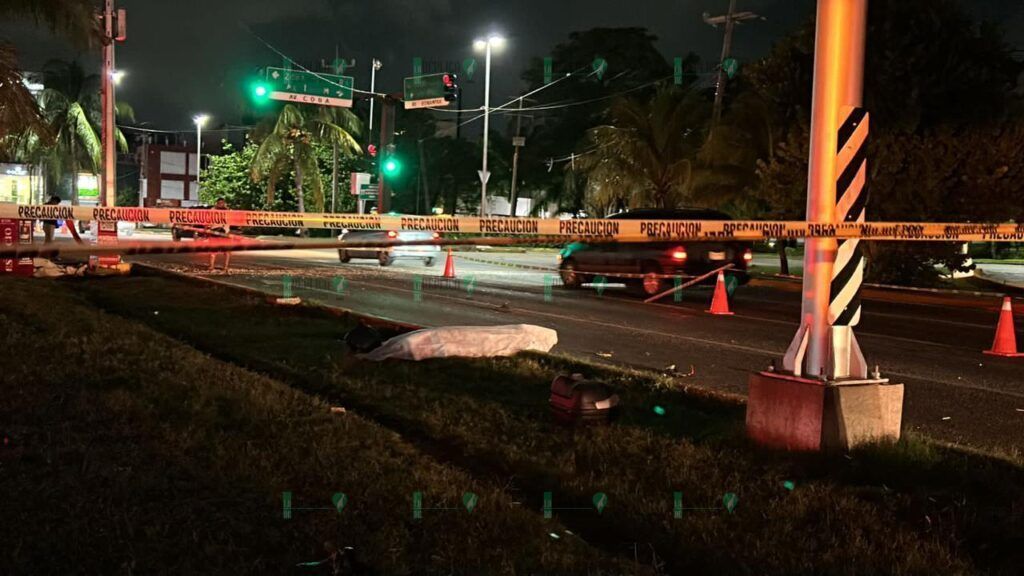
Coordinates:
116 76
200 121
492 42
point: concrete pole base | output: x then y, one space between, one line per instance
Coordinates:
798 414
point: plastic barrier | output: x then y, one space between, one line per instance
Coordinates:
621 230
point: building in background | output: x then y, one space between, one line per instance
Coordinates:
19 184
168 176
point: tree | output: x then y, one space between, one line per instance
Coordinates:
71 109
643 156
564 112
19 113
935 84
291 145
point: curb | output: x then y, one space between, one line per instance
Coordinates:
894 288
339 311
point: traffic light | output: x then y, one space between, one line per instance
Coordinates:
259 91
371 150
392 167
451 87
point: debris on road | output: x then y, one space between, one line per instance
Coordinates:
604 354
466 341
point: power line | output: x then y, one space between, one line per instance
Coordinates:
187 130
307 70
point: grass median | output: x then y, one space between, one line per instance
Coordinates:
128 452
911 508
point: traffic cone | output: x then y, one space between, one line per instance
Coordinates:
449 266
1005 343
720 301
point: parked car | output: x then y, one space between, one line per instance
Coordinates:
386 256
580 262
178 232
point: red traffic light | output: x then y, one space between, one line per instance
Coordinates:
449 80
371 150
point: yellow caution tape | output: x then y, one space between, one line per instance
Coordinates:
621 230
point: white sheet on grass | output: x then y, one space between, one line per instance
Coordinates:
466 341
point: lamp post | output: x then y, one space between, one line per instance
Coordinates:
200 121
486 45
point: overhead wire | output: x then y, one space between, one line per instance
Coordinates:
307 70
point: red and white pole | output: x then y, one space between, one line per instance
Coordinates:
819 349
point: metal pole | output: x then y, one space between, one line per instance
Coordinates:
374 66
484 176
515 160
730 24
199 153
109 197
838 83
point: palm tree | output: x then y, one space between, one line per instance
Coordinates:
71 110
343 140
290 144
643 155
19 112
73 19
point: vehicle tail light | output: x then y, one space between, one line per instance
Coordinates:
392 234
748 256
679 254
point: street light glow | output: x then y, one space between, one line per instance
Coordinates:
116 76
495 41
201 119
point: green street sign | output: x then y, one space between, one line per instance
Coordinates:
677 65
548 70
424 91
368 196
303 87
469 68
600 66
731 67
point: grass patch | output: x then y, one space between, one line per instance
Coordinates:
128 452
911 508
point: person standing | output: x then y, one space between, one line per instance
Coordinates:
221 233
50 226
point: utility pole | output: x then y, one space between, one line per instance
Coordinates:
517 142
387 138
109 196
729 19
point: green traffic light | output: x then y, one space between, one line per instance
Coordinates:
260 92
392 167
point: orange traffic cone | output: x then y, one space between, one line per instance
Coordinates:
449 266
720 302
1005 343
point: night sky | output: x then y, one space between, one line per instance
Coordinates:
187 56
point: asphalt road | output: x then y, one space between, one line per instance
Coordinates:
930 342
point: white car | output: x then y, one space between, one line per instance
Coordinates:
386 256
